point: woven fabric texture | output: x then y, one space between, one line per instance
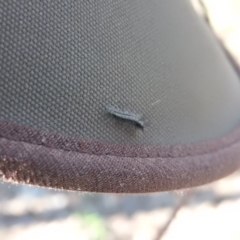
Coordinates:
64 63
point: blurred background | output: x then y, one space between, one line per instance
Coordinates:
210 212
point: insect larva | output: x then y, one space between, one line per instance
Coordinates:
126 116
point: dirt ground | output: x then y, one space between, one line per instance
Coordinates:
212 211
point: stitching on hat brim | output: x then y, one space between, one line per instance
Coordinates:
35 157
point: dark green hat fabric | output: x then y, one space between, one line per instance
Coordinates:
114 96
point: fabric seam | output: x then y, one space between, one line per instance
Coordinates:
163 157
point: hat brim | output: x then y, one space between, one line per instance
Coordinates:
39 158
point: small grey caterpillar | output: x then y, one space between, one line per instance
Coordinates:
126 116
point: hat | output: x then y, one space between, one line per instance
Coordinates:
114 96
